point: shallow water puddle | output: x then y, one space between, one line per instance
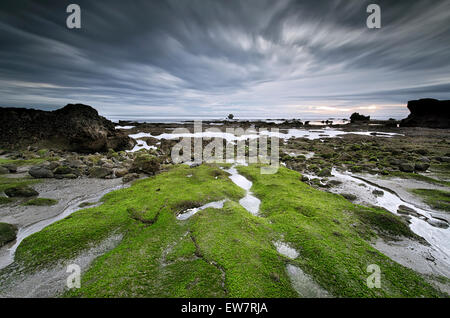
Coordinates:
190 212
437 237
291 133
249 202
7 254
285 250
141 144
52 282
305 286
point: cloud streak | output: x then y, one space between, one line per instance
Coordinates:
253 57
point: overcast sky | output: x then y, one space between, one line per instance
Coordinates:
253 58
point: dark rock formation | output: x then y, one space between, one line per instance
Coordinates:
7 233
40 172
355 117
429 113
21 192
75 127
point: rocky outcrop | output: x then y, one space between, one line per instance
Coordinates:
75 127
357 117
429 113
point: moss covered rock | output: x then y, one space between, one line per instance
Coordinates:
145 163
21 191
7 233
99 172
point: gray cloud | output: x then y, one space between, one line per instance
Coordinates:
252 57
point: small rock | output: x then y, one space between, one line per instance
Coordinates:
405 210
333 183
437 223
120 172
424 160
73 163
66 176
99 172
130 177
430 257
8 233
324 173
23 191
108 165
52 165
40 172
406 167
349 196
378 193
63 170
11 168
421 166
3 170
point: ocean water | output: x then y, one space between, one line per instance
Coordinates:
171 120
178 119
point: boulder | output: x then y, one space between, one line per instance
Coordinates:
429 113
22 191
75 127
120 172
3 170
40 172
10 167
145 163
421 166
406 167
99 172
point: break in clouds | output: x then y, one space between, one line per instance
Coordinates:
251 58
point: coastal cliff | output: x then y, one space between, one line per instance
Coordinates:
75 127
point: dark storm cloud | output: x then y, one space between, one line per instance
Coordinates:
211 57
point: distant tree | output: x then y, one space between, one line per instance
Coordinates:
358 117
230 116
